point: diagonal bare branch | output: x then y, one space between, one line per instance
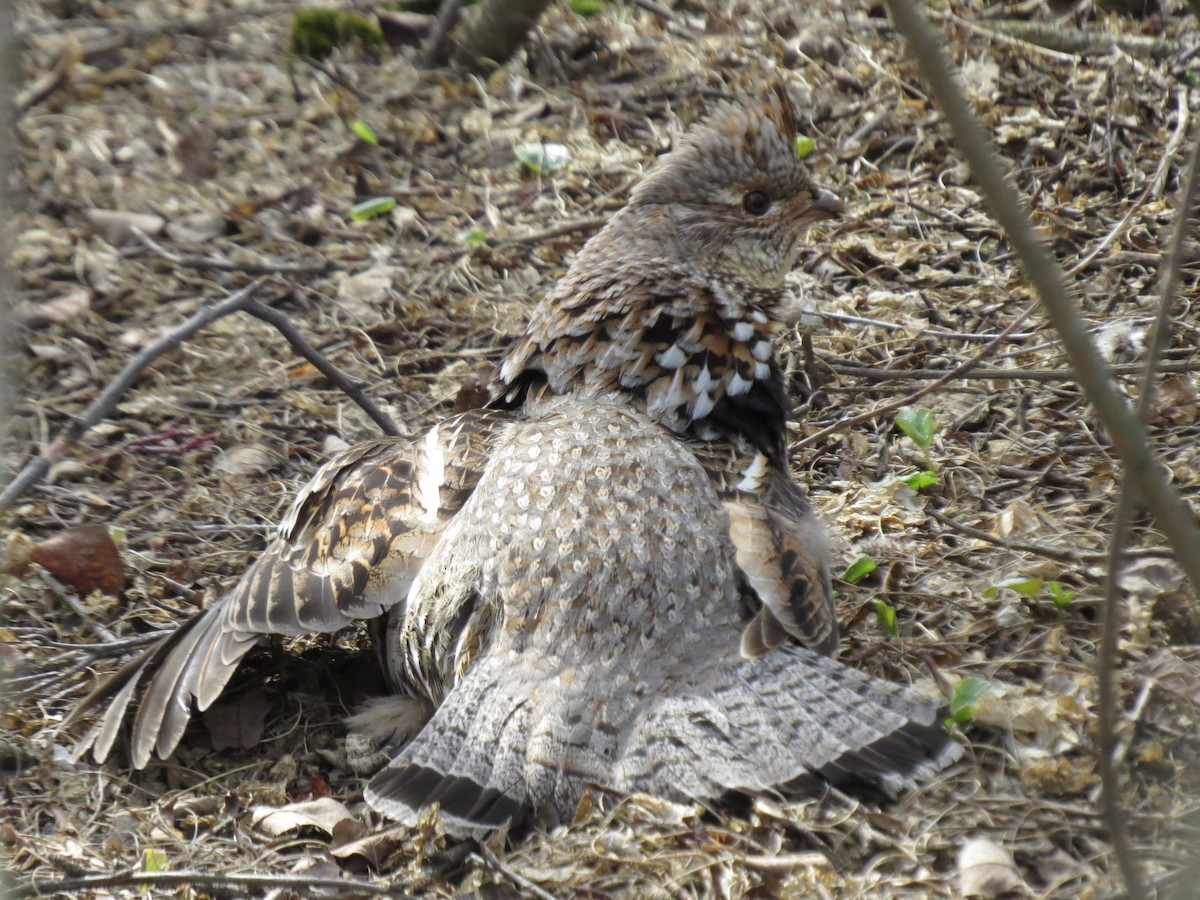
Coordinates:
240 301
1129 436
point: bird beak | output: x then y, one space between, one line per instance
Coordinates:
824 206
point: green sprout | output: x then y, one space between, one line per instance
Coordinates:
363 132
886 614
1061 596
474 237
372 209
922 479
859 569
966 698
1020 584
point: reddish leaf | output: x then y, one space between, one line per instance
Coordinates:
319 787
83 558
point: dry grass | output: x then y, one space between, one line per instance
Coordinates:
912 281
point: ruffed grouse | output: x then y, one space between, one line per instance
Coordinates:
607 579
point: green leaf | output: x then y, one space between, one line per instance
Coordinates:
886 615
919 480
859 569
1025 586
1059 594
475 237
918 423
363 132
804 146
543 158
153 860
966 696
373 208
585 7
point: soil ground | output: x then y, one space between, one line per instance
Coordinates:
194 113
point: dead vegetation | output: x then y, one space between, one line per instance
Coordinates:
243 166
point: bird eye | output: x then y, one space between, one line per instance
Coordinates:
756 203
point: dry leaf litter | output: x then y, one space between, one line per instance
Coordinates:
176 164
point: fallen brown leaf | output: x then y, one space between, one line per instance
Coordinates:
84 558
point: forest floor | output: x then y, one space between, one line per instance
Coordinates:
995 572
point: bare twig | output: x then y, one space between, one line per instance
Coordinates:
488 860
1127 432
9 79
1068 556
71 599
228 265
116 647
1153 186
945 378
240 301
51 80
284 326
924 332
881 373
38 467
536 237
436 52
342 887
1114 814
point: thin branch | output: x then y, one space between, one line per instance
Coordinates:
1114 814
436 50
945 378
924 332
36 469
487 859
73 601
227 265
1067 556
1152 186
545 234
343 887
240 301
1127 432
875 373
51 80
284 326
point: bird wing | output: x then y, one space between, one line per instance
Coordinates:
348 549
782 552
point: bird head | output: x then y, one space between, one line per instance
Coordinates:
736 192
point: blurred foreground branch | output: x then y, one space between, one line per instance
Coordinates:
1146 477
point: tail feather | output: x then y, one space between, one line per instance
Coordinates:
503 743
469 758
195 662
779 722
104 733
895 762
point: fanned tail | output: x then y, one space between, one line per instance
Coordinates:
782 722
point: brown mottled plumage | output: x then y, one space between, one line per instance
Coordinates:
675 301
609 580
